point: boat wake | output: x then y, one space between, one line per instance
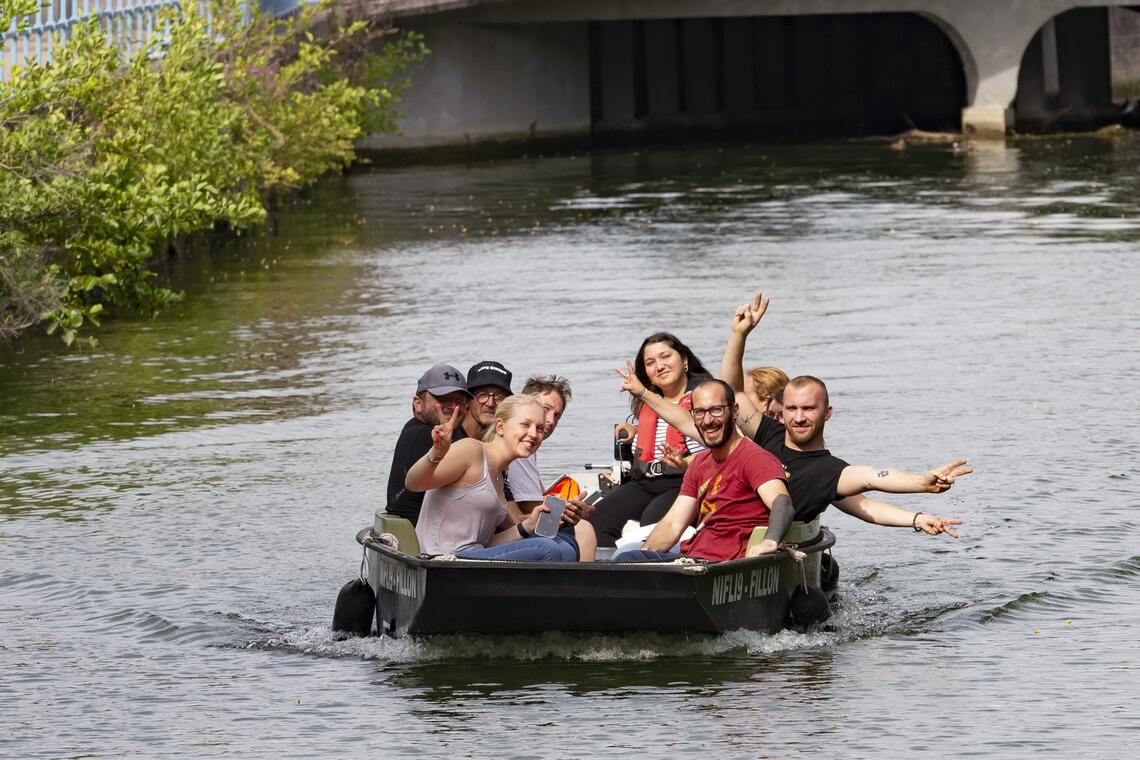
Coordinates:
861 613
548 646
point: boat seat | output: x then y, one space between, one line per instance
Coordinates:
797 533
399 527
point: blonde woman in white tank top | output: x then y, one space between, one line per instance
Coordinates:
464 511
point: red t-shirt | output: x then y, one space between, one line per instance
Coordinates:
730 506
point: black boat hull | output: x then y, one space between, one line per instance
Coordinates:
422 595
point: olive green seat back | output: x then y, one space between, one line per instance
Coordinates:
399 527
799 531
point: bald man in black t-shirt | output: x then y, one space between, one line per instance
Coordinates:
816 478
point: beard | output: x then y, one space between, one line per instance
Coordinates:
721 436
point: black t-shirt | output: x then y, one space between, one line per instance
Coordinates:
413 443
813 476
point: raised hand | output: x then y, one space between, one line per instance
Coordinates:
673 457
941 478
748 316
441 435
629 381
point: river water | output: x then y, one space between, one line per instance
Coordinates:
178 505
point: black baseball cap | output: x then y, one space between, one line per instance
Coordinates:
489 373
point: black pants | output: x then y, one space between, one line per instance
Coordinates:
646 501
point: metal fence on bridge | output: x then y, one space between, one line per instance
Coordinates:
129 23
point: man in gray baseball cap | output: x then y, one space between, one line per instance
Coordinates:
438 393
441 380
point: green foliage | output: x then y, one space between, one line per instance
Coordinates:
384 70
17 11
106 161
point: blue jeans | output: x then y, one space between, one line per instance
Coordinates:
642 555
533 549
565 535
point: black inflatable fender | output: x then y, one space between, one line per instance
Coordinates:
355 609
807 607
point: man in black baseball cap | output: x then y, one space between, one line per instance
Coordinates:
440 390
488 383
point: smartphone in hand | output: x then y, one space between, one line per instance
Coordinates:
548 522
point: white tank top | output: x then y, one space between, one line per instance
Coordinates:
455 520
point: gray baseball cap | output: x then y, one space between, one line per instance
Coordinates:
441 380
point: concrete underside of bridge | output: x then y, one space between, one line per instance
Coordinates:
516 77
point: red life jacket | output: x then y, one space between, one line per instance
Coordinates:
647 430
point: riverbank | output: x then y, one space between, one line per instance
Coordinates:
110 159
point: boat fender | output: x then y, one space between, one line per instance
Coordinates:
355 605
828 572
355 608
807 607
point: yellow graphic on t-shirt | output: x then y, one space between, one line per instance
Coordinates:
705 494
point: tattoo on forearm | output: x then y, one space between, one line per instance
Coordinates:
883 473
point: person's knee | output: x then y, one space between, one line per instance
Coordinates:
587 541
566 545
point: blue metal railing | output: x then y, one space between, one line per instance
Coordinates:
129 23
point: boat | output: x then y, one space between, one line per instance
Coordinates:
417 594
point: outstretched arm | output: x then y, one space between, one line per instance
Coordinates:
744 319
732 363
857 479
882 513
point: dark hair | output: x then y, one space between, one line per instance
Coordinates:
539 384
729 393
692 364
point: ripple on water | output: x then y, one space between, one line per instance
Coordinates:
1111 589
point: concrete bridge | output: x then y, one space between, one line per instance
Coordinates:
509 70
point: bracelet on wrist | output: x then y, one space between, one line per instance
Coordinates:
434 460
522 531
914 523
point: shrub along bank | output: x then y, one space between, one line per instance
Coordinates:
106 161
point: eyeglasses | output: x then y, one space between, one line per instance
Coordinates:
716 412
493 397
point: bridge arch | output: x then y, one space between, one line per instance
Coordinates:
511 70
828 74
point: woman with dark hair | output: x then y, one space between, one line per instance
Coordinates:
668 367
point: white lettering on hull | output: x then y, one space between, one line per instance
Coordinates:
750 584
399 578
